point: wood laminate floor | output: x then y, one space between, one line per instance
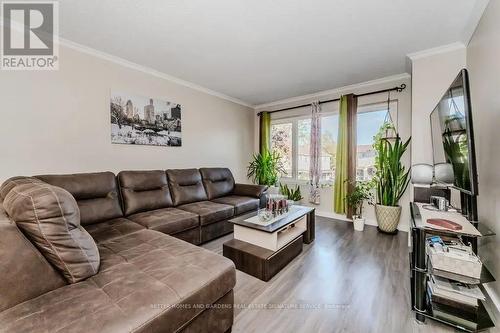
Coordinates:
344 281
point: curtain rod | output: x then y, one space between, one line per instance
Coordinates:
398 89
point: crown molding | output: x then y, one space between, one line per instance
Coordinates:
148 70
336 91
436 50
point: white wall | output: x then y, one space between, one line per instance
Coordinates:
432 73
404 113
59 122
483 54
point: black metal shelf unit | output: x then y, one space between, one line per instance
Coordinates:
420 272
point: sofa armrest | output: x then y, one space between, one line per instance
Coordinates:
249 190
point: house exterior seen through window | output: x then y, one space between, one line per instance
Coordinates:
281 141
291 138
368 124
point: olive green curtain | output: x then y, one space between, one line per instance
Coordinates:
340 185
265 131
345 164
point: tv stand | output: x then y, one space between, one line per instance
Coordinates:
420 271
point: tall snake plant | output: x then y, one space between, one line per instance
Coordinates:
391 178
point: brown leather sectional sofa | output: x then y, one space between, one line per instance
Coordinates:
97 252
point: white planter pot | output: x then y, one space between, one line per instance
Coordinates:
359 223
387 217
273 190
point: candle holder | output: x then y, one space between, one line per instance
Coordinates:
276 204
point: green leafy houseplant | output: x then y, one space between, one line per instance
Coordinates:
391 178
291 194
355 199
265 168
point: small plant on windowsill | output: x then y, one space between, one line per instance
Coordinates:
362 191
291 194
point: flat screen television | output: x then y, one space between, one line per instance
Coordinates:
453 138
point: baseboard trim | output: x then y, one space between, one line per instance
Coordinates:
332 215
341 217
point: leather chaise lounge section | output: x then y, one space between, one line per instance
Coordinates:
148 279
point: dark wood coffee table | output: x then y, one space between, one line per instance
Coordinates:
262 249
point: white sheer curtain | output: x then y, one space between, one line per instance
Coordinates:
315 154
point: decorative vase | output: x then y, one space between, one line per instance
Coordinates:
359 223
387 218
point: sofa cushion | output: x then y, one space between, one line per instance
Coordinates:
167 220
217 181
152 283
95 193
144 190
107 230
186 186
241 204
79 307
209 212
10 183
50 218
22 265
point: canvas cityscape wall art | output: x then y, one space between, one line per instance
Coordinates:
141 120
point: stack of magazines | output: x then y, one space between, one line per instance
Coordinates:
455 301
453 257
453 291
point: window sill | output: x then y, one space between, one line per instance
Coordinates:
292 181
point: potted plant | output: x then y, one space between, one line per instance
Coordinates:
391 178
362 191
292 195
265 168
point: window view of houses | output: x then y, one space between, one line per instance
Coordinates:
283 141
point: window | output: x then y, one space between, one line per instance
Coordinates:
291 138
329 130
329 134
368 124
281 141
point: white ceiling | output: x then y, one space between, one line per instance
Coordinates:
260 51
